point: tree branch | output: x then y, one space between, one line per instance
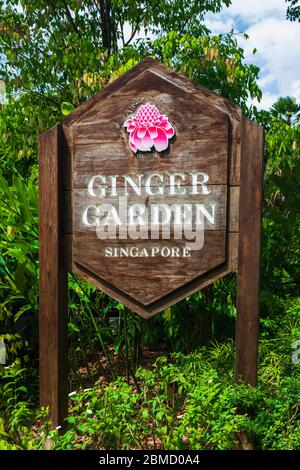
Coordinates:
133 33
71 18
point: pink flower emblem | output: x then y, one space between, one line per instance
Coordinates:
149 128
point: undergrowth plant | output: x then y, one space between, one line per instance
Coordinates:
181 402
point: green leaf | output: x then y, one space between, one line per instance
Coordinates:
167 314
67 108
72 328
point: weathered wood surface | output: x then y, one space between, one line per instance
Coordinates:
249 253
194 118
233 208
210 157
207 140
71 210
206 135
134 80
53 277
194 285
217 197
146 279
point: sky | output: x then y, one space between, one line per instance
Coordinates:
277 42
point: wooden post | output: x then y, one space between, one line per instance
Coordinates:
53 278
249 253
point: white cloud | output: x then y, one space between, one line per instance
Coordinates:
276 40
277 43
296 90
251 10
266 102
217 25
266 81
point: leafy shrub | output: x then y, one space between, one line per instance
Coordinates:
190 402
19 265
182 402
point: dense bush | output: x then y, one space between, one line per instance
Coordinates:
182 402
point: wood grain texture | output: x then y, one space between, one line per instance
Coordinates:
147 279
100 128
189 288
169 99
207 140
220 103
150 68
217 197
149 64
249 253
184 156
233 208
53 278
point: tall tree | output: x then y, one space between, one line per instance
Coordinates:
293 11
286 109
64 51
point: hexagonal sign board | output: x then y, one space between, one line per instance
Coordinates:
153 188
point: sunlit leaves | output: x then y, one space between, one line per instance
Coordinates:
214 61
66 108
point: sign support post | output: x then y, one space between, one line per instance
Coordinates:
248 278
53 289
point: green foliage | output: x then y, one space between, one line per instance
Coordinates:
286 109
18 263
281 247
293 11
213 61
65 51
190 402
15 413
20 124
182 402
197 320
66 108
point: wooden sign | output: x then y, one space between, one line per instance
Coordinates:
150 191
